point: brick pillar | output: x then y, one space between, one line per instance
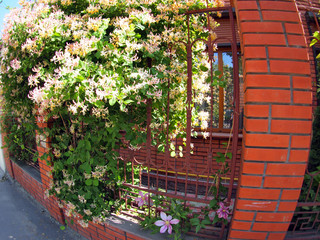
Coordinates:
277 121
43 147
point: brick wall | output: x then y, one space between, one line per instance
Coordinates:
277 121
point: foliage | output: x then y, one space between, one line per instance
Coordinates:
172 207
314 157
187 215
91 66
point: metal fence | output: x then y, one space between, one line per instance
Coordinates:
190 178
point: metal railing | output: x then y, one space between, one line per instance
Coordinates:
189 178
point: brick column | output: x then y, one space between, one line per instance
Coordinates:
43 147
277 121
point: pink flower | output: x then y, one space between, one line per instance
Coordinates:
143 199
15 64
165 223
223 211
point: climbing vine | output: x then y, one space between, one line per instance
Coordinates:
90 67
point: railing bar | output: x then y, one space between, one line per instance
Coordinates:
309 189
167 194
236 103
132 171
196 193
140 175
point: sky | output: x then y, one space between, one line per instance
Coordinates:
4 11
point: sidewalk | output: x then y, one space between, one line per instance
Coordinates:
22 218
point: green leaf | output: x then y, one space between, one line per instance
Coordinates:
206 222
213 203
198 228
172 154
126 102
313 42
216 219
62 228
112 101
194 221
203 68
89 182
217 73
96 182
88 145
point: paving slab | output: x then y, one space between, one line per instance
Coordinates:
22 218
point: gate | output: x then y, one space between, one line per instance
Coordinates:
188 169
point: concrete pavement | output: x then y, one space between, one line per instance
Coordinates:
22 218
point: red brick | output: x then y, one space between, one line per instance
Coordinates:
246 5
286 111
300 142
261 27
276 81
255 52
302 82
277 236
256 110
256 66
266 140
273 155
249 15
267 95
288 53
290 194
280 16
285 169
291 126
129 235
241 225
287 206
283 182
279 66
295 28
276 5
296 40
253 193
274 217
270 226
105 234
256 125
253 168
248 235
267 39
255 205
244 216
302 97
299 155
250 181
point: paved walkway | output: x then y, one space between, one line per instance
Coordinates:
22 218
